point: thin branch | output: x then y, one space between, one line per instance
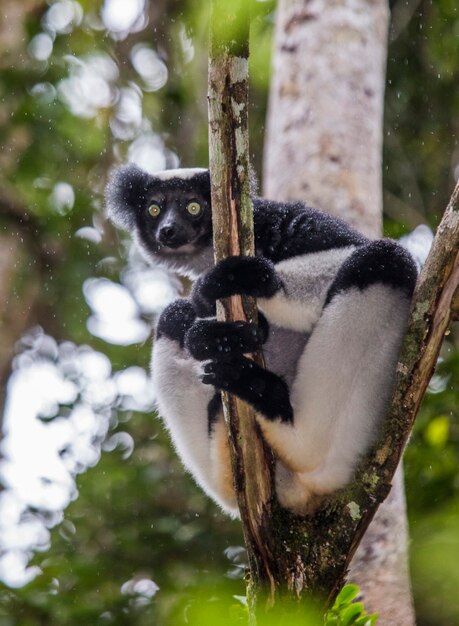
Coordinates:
233 235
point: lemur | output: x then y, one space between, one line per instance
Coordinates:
333 310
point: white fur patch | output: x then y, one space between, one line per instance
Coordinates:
182 401
306 281
184 173
340 394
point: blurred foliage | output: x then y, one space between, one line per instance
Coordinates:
137 519
421 153
139 522
206 608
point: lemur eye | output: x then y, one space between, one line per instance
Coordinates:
193 208
154 210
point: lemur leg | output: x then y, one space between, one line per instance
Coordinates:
189 408
345 375
225 343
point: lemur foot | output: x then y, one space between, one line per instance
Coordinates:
209 339
263 389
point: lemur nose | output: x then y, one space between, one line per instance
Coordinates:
167 234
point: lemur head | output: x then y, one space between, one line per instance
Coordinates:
169 213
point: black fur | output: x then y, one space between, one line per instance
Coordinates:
176 320
287 229
214 409
208 339
265 391
128 189
131 189
383 261
250 276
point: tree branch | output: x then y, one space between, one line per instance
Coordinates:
432 311
233 235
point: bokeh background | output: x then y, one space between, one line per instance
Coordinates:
98 522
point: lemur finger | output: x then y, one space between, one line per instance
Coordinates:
252 276
175 320
209 339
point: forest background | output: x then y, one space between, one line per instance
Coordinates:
98 522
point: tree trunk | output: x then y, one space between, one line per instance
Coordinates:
324 135
324 145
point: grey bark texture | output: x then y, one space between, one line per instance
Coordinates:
324 145
324 134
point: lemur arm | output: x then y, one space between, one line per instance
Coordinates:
291 293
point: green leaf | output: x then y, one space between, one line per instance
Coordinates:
351 613
366 620
363 621
346 595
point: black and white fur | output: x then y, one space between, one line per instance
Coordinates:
334 308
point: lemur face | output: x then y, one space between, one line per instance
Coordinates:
169 212
177 213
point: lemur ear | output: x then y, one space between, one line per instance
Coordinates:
126 193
